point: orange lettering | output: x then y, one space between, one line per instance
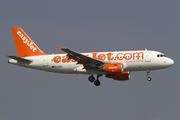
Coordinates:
117 56
101 57
138 53
109 56
65 59
57 59
94 55
129 57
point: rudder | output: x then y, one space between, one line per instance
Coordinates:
24 45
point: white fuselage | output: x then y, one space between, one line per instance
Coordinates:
141 60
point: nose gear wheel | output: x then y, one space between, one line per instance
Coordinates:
148 78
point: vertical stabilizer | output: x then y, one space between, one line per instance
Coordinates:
25 46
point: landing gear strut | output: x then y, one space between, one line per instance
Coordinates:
96 82
148 78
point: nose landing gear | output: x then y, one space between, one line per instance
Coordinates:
148 78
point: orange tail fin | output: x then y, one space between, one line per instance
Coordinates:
25 46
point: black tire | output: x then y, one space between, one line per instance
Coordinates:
149 78
91 78
97 82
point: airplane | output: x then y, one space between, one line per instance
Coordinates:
116 65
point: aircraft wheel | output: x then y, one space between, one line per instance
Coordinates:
91 78
97 83
149 78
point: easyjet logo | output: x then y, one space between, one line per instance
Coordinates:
112 67
129 57
26 41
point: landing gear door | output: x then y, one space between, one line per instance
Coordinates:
148 56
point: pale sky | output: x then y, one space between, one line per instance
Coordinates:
90 26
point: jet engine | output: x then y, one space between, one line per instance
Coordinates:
119 77
112 68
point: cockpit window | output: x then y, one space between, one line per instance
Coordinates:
161 55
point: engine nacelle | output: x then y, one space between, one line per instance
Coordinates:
119 77
112 68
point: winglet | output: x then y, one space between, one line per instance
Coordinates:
59 48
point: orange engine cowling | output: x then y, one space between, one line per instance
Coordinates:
119 77
113 68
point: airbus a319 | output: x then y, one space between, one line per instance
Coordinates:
113 64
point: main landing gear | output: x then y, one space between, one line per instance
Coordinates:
96 82
148 78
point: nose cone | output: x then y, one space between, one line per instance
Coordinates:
170 62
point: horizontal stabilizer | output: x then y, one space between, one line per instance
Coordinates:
19 59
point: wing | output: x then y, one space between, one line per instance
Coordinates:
80 58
